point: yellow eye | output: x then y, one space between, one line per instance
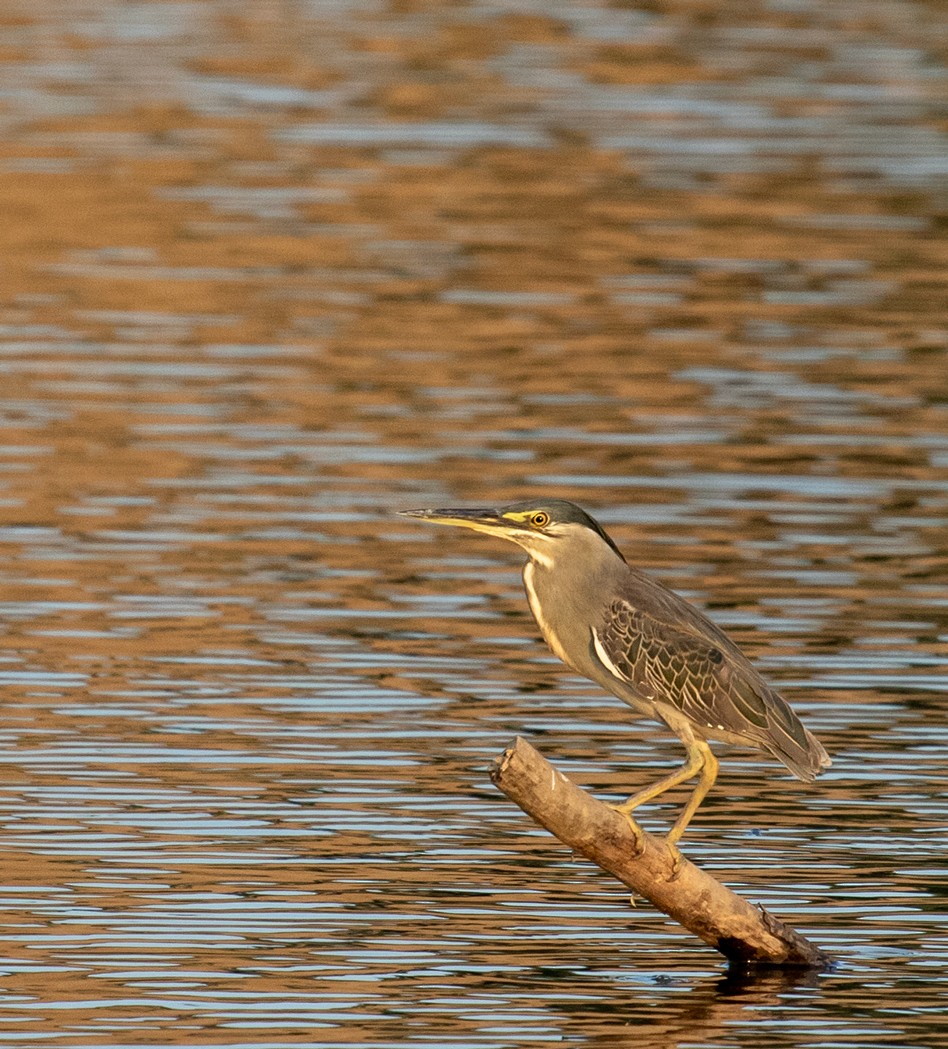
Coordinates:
540 519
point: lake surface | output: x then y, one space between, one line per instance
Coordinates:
272 272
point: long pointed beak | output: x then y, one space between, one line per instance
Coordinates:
480 520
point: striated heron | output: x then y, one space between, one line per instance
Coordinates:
645 644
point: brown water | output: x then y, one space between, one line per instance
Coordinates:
273 271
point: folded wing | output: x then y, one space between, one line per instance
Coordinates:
692 665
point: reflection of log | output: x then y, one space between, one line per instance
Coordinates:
744 934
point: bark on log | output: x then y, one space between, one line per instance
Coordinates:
746 935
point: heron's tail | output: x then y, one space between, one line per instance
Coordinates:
802 753
791 742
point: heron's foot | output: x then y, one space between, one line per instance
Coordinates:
674 854
637 831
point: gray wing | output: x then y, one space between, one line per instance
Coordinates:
692 665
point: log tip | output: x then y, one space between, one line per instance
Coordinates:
499 764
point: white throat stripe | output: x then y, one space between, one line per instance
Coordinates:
546 630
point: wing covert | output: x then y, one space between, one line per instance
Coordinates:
712 684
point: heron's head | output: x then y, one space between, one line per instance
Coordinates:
547 530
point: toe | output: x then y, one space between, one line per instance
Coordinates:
676 859
637 831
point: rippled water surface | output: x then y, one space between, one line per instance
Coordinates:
271 272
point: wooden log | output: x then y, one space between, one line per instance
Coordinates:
746 935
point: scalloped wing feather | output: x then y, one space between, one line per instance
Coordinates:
692 665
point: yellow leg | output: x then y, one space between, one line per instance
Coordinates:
701 763
706 778
696 759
